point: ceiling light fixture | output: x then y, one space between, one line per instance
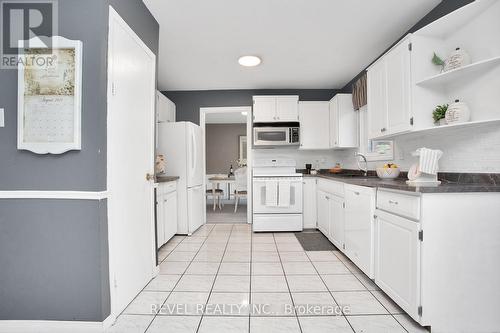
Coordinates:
249 61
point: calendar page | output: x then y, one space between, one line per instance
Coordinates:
50 92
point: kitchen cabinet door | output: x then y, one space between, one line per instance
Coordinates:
170 217
264 109
359 233
377 99
314 120
397 252
287 108
160 219
336 230
324 213
310 206
398 88
165 109
344 126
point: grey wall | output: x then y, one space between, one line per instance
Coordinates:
54 253
222 142
445 7
188 103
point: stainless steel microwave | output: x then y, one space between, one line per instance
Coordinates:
276 134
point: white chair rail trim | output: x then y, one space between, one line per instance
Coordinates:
61 195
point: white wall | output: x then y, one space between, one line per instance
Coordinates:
473 149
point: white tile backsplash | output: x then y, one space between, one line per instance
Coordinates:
466 149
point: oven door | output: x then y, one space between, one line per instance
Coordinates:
292 206
271 136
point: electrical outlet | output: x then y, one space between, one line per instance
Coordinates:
2 118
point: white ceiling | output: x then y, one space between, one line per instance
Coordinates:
302 43
226 118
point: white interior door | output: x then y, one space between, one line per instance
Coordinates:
131 108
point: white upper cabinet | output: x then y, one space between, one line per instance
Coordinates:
264 109
377 99
389 92
344 125
165 109
287 108
314 120
398 88
275 109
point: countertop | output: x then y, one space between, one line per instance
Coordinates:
166 179
470 183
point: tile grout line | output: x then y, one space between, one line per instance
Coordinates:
330 292
288 286
371 292
216 274
182 275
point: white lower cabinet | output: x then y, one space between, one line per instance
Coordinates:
310 212
324 212
358 226
336 229
397 253
166 212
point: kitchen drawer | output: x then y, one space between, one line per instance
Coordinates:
398 203
331 187
165 188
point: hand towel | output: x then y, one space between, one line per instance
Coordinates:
284 193
429 160
271 193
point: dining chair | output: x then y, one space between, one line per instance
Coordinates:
240 191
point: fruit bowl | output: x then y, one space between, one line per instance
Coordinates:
388 173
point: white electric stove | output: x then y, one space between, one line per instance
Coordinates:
277 196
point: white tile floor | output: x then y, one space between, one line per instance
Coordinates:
226 279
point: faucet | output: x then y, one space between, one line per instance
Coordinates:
365 170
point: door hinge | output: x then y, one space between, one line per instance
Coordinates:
419 310
343 246
375 217
411 121
343 204
113 89
410 47
421 235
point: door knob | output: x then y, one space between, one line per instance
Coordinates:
150 177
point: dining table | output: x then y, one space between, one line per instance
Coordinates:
217 181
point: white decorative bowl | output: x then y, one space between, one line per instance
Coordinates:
388 173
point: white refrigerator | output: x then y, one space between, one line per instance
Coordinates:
181 144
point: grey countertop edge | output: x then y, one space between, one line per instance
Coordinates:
400 184
166 179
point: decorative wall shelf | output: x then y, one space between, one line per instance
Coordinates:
462 74
445 127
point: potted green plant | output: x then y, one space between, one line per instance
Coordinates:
439 114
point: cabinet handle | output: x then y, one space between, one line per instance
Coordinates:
383 129
327 198
357 193
393 202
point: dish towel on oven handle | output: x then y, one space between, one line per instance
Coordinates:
429 160
284 193
271 193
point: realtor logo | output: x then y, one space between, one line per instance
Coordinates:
23 20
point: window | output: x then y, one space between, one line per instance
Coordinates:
374 150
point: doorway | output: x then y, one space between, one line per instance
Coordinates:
227 155
130 138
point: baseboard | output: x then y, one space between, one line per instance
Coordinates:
48 326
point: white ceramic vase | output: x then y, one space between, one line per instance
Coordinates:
457 59
457 112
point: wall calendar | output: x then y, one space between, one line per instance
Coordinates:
49 96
